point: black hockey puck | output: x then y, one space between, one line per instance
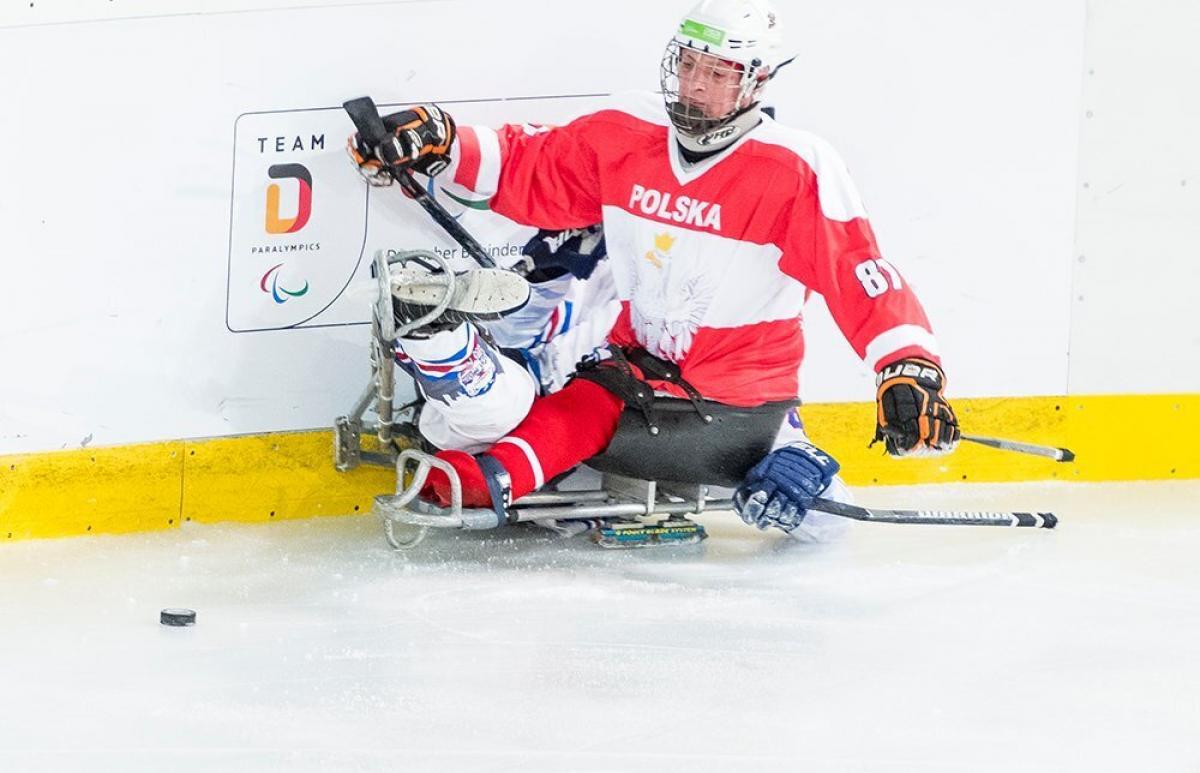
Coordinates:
177 617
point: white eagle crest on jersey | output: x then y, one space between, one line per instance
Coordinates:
669 299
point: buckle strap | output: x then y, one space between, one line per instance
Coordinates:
670 372
499 484
617 376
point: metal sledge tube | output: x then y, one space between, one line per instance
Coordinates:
364 401
376 459
480 519
542 498
469 518
617 509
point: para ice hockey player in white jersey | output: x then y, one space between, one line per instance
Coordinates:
718 223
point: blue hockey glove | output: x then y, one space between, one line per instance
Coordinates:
779 489
576 251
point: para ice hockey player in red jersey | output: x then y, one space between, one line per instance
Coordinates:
719 222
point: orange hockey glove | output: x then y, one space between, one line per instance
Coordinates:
914 418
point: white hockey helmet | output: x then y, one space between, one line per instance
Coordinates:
716 66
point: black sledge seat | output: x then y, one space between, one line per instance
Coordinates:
687 449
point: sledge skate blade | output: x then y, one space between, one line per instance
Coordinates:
478 291
623 535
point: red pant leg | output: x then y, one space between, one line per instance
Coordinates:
561 430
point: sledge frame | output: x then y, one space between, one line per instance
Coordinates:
407 518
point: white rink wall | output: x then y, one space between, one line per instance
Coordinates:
1018 161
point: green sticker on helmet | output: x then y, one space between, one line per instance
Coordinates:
703 32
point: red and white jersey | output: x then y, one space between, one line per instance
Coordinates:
712 263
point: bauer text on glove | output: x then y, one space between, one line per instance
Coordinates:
913 415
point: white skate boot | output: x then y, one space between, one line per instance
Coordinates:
427 299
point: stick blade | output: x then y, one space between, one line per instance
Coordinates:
1036 520
365 115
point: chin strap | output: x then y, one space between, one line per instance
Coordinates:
712 142
779 67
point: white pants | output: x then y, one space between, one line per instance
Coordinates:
475 393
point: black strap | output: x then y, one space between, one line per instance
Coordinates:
668 371
499 485
617 376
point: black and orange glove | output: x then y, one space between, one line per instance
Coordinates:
914 418
419 139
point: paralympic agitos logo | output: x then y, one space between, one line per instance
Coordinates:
270 284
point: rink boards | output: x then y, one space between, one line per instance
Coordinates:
278 476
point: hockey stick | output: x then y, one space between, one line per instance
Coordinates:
939 517
1057 454
365 116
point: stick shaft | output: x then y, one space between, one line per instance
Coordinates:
1050 452
444 219
936 517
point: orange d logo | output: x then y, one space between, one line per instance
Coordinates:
276 224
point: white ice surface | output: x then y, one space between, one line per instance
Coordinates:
901 648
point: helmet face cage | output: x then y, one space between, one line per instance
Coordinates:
704 92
